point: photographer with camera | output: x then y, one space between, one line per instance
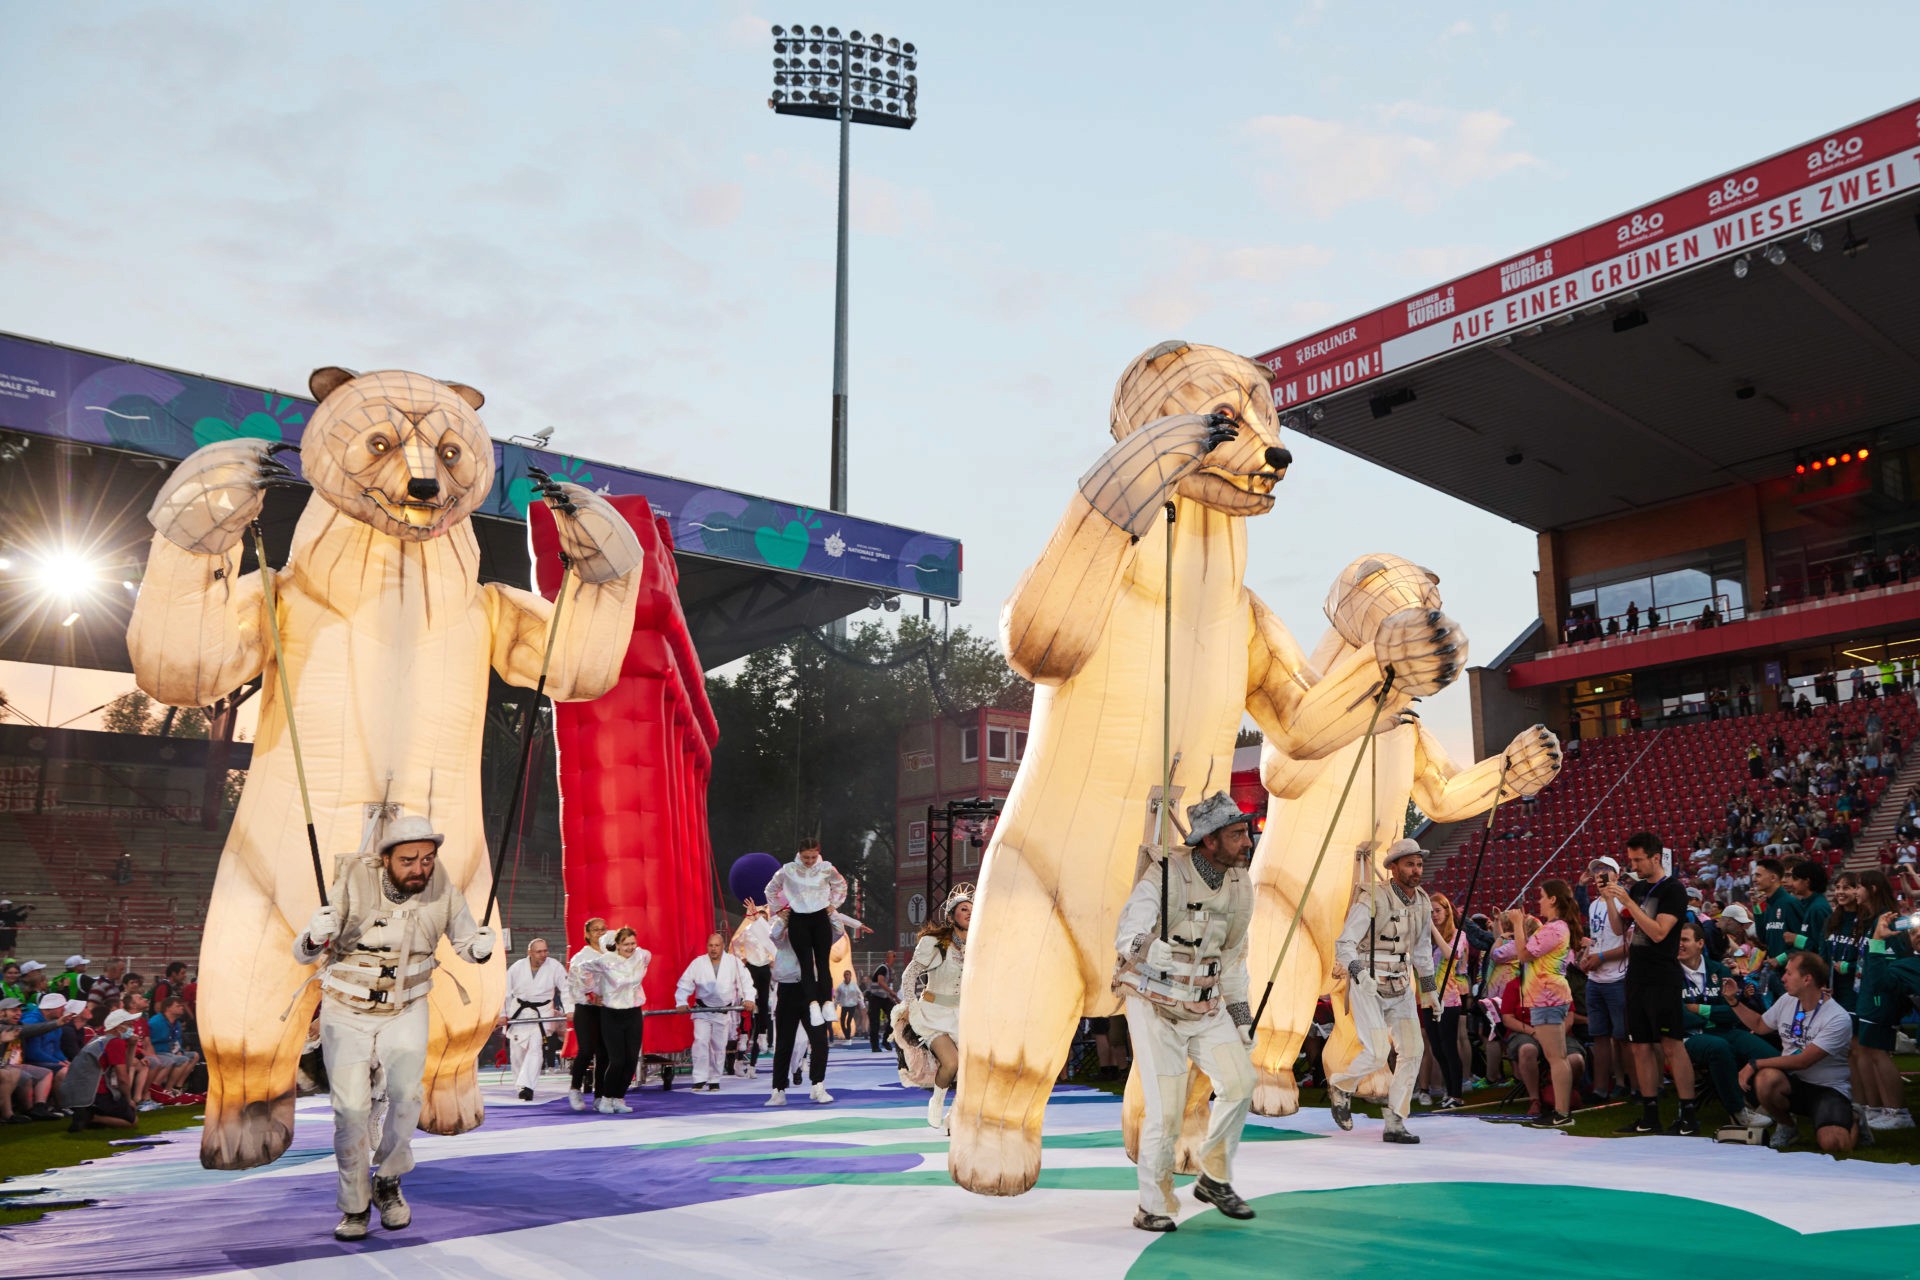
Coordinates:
1809 1078
1604 961
1656 1023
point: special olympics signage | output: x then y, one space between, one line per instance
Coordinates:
1739 212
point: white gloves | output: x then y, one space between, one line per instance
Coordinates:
481 948
323 926
1159 955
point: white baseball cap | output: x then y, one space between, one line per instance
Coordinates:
120 1018
75 962
1738 914
52 1002
32 966
1603 861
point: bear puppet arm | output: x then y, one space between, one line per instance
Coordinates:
1306 716
1446 793
199 628
592 643
1060 608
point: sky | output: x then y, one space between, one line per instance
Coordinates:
589 212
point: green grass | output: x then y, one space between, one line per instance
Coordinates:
1902 1146
28 1150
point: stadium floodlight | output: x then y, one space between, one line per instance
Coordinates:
854 79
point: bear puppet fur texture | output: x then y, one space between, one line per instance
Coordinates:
388 638
1193 427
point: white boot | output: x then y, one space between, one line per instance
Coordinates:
778 1098
819 1094
937 1110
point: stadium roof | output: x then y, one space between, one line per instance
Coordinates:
101 433
1697 343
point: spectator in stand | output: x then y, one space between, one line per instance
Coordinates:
173 1062
10 987
101 1086
1775 908
1603 958
1807 882
1756 766
1543 953
1656 1023
74 981
1630 708
1809 1077
11 918
1520 1047
1716 1045
1745 694
108 985
170 985
1633 617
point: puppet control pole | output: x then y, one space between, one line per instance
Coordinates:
286 695
518 796
1473 881
1386 687
1166 729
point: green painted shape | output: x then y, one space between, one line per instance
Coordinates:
1470 1230
1109 1179
255 426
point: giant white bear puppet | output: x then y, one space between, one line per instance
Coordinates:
1193 426
388 638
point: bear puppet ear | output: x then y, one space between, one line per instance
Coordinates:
325 382
473 398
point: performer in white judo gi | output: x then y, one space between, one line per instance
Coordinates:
581 989
538 1003
1184 980
713 981
388 912
1386 948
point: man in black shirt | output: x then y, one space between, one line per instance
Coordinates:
1656 1023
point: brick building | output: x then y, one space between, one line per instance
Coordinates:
943 760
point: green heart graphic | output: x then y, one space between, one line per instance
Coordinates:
783 548
1463 1230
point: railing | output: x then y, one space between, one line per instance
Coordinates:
1583 628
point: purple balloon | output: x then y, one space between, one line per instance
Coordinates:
749 875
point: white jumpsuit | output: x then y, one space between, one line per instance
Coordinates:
713 986
528 1009
373 1017
1392 939
1205 925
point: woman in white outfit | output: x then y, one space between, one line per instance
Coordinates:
930 989
618 975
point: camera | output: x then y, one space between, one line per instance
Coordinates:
1910 921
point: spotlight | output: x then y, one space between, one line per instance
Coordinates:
1799 468
1515 458
1863 454
1742 265
1815 241
70 619
64 574
1383 405
1775 254
1846 457
892 604
1317 412
1832 461
1816 464
5 564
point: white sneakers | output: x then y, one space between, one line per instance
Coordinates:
1754 1117
778 1098
611 1107
819 1093
575 1100
1885 1118
816 1013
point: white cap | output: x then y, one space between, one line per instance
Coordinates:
1738 914
76 962
120 1018
32 966
1604 861
52 1002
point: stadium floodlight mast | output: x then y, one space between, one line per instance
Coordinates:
855 79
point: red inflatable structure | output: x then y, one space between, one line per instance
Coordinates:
634 767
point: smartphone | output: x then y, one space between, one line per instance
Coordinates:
1907 921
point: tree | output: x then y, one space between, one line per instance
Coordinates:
809 740
134 712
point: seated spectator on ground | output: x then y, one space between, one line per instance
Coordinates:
1519 1046
1715 1042
172 1062
100 1086
1809 1077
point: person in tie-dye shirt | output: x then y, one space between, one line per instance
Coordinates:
1544 990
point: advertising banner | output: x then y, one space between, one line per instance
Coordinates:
98 400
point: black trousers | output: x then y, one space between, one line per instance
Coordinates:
762 975
1443 1040
791 1015
620 1032
589 1051
811 935
879 1023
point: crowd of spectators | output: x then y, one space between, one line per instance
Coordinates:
94 1049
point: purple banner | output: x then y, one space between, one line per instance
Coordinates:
98 400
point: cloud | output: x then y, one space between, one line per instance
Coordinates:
1458 29
1200 276
1407 152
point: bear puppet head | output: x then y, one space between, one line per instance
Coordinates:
1182 377
401 452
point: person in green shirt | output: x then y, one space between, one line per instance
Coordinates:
73 980
1778 911
1889 983
1715 1041
10 988
1844 941
1807 882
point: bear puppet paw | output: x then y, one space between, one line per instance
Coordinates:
597 539
1425 648
1532 760
215 493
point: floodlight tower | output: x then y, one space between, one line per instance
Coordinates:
855 79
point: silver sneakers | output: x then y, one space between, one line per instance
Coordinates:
353 1226
1153 1221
